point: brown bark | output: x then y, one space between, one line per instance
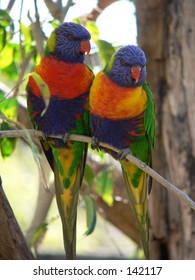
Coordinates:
12 242
57 10
120 215
166 34
101 5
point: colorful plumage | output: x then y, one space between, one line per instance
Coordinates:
122 115
69 81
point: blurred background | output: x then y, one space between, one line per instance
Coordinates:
165 30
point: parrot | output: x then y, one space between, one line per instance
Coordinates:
68 79
122 114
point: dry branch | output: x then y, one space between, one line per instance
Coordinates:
176 191
12 242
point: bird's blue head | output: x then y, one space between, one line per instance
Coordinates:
127 67
69 42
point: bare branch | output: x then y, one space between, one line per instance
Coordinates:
37 31
176 191
23 68
13 244
101 5
10 5
57 10
66 8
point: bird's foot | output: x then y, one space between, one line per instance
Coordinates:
123 153
95 144
65 137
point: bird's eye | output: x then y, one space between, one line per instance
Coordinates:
124 63
71 37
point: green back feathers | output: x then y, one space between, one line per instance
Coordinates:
149 115
50 45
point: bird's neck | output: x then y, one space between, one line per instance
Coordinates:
66 80
109 100
64 57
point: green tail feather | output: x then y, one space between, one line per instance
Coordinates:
69 218
137 193
68 171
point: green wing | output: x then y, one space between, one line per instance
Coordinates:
149 116
149 125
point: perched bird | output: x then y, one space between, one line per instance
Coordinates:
68 79
122 115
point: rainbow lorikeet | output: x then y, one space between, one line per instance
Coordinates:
122 115
63 70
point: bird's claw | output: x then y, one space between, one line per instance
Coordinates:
123 153
95 144
65 137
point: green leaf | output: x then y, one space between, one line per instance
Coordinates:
3 35
55 23
104 186
6 28
11 71
26 33
90 214
106 50
93 29
6 20
88 175
9 108
6 56
7 146
44 89
27 37
76 20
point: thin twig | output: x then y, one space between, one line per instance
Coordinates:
23 67
181 195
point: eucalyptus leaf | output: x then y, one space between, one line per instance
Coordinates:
93 29
6 28
106 50
11 71
104 186
55 23
90 213
43 87
88 175
9 108
27 37
6 56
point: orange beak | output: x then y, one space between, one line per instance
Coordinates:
135 73
85 47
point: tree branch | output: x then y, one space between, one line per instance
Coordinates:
176 191
101 5
10 5
57 10
37 31
23 67
12 242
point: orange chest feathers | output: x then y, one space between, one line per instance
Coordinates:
66 80
107 100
